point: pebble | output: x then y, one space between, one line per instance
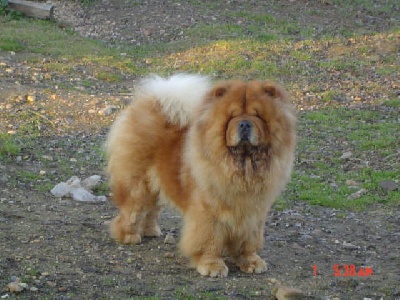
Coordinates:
349 246
357 194
107 111
287 293
169 255
31 98
346 155
352 183
51 283
16 286
169 239
388 185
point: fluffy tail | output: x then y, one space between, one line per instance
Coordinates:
178 95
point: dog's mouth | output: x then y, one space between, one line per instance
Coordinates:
245 154
244 149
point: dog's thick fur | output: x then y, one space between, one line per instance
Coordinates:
220 154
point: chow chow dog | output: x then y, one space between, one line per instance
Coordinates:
219 153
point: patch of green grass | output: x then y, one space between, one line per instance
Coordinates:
322 177
395 103
370 6
44 39
388 70
11 44
27 176
8 145
108 76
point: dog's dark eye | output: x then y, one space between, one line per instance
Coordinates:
270 91
219 92
260 117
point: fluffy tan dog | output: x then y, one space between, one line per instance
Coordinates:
220 154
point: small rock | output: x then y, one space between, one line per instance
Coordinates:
107 111
357 194
388 185
169 255
33 289
169 239
349 246
346 155
287 293
51 283
139 276
16 286
273 281
352 183
31 98
147 31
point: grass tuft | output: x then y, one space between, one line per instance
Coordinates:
8 146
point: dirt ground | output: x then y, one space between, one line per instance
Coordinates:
62 250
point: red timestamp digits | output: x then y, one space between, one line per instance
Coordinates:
348 271
351 271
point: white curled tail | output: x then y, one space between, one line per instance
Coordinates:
178 95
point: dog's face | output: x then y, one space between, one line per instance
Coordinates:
246 121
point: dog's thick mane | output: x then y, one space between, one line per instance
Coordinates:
178 95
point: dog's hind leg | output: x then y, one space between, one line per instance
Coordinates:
134 204
151 227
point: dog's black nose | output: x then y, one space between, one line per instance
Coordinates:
244 129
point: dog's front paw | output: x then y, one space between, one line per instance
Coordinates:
123 232
215 268
252 264
132 239
153 231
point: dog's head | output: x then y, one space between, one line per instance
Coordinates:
246 121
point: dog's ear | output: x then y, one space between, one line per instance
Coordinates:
274 90
219 91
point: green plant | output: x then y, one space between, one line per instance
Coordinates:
3 6
8 146
10 13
